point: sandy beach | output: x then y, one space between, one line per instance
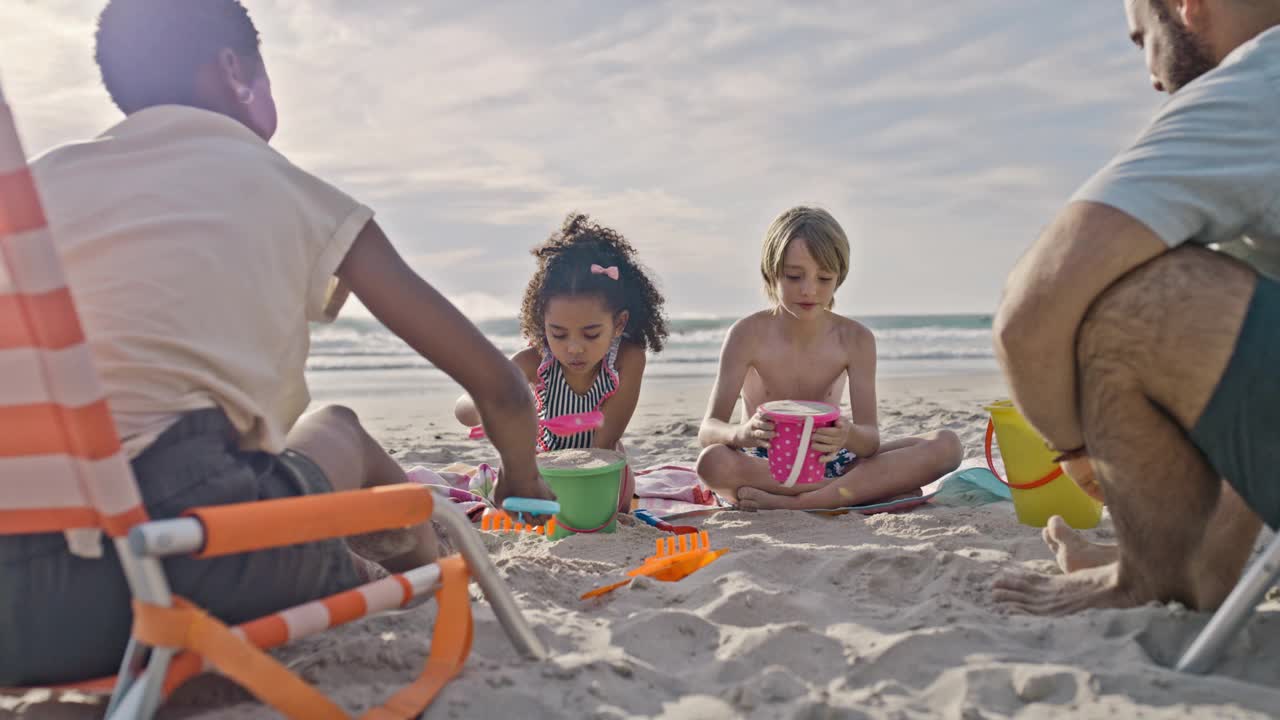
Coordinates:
806 617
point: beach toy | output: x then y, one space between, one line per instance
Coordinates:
495 520
500 521
587 483
1039 487
533 506
648 518
675 558
791 461
560 425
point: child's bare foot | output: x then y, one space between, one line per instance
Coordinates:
752 499
1072 551
825 498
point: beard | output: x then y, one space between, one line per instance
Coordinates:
1189 58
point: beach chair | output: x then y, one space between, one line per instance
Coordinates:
62 470
1204 651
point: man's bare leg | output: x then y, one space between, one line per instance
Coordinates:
1232 516
1150 354
333 439
899 468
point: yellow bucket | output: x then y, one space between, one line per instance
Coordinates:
1039 487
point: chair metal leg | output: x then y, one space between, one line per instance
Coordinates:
135 657
1205 650
144 696
495 590
147 583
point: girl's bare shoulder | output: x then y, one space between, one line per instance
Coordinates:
631 355
528 361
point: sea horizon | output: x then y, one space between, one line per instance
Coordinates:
358 351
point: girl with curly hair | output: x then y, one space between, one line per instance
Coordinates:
590 313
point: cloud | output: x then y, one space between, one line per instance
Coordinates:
943 135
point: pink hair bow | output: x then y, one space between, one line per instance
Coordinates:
562 425
611 271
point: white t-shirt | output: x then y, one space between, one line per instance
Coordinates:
1207 168
196 256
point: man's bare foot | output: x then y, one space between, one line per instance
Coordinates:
1097 587
1072 551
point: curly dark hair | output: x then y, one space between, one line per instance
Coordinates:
149 51
564 268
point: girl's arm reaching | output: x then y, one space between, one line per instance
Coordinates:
409 307
619 408
465 409
735 359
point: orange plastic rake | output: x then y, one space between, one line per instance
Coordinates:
677 557
499 521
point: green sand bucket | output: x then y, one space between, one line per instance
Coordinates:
588 496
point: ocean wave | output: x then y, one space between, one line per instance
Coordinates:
340 363
363 344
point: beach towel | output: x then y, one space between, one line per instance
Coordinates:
469 486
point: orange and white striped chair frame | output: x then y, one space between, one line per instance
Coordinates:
62 470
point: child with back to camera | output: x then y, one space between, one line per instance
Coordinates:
590 312
800 350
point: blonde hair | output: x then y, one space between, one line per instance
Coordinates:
823 237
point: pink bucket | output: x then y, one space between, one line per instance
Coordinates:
791 462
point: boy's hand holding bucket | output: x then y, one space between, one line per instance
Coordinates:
757 431
831 439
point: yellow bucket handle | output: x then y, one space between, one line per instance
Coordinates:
1053 475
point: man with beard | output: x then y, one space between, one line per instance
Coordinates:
1144 352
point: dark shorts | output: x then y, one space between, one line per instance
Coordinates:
66 618
837 467
1239 430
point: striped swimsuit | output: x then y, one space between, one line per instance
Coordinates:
556 398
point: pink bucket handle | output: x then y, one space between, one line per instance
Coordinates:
561 425
802 452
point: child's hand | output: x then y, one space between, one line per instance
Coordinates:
756 432
829 440
524 485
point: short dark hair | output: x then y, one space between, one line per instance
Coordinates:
149 51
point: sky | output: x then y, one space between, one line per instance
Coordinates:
943 135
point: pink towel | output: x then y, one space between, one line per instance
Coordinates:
672 482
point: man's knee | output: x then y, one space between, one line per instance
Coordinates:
1165 298
1167 329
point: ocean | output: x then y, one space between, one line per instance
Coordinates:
907 345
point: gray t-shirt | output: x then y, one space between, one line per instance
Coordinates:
1207 168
